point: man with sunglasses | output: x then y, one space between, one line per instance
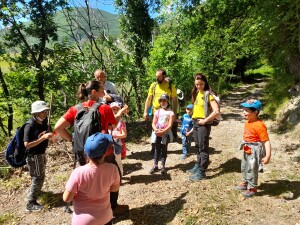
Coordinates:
36 140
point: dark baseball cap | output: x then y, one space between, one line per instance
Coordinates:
164 96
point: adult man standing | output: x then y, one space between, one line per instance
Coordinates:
111 93
161 86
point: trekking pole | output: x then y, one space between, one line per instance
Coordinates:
50 112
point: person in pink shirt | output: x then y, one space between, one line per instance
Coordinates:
89 186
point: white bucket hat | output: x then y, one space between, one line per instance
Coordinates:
38 106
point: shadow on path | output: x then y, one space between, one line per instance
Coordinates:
231 166
275 188
53 199
154 214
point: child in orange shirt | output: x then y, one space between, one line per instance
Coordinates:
256 146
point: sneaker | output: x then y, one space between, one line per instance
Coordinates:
120 210
197 176
33 207
249 193
163 171
153 169
242 187
194 169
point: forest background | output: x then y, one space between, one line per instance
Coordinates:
51 46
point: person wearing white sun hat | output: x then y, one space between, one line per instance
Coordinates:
36 140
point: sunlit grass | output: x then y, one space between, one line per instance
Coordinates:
7 218
264 70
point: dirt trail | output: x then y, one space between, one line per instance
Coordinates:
154 199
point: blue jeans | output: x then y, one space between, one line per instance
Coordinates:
186 144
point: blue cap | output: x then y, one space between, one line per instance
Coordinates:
190 106
97 144
252 104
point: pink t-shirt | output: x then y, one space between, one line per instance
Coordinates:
92 186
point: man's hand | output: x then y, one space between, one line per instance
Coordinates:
146 117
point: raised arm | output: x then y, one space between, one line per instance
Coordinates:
61 128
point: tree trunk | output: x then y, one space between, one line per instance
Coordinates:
9 105
41 85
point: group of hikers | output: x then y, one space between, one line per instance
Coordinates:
93 187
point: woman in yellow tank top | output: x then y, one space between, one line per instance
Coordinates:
201 124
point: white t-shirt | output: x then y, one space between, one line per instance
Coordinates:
110 88
163 117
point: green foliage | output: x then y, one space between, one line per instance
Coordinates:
278 25
7 218
205 38
136 27
276 93
5 172
14 183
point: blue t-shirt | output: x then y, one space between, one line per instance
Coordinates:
186 123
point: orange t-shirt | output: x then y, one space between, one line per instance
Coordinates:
255 132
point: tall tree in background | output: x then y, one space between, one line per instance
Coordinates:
31 39
136 28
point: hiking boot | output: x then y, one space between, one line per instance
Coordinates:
198 176
249 193
242 187
120 210
153 169
163 171
194 169
33 206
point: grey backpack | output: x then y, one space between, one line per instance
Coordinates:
87 122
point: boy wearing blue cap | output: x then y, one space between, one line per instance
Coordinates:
89 186
186 130
256 147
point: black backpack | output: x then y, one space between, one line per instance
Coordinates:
87 122
16 153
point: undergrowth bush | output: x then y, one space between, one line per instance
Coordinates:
276 93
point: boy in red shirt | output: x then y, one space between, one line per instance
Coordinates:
256 146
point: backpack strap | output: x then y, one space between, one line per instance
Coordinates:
206 104
79 107
96 105
170 87
157 117
153 88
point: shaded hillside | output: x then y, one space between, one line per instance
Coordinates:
100 21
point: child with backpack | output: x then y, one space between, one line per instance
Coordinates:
202 122
119 134
89 185
161 125
91 92
36 140
256 147
186 130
